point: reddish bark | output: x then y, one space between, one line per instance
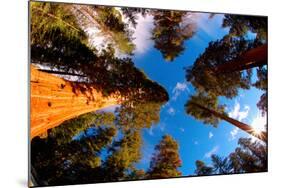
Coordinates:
253 58
54 100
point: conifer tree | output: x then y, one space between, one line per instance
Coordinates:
166 160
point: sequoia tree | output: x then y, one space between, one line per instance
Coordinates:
166 160
96 80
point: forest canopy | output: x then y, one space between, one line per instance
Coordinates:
101 112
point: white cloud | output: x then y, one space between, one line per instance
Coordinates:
142 34
178 89
150 131
238 114
209 26
211 152
171 111
210 135
233 133
162 126
258 124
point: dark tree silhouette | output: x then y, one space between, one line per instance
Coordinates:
166 160
57 163
251 156
261 83
202 169
221 165
132 13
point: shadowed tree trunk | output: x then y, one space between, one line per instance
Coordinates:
54 100
262 136
252 58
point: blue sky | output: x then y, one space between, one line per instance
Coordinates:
196 140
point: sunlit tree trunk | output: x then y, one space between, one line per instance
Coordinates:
54 100
253 58
262 136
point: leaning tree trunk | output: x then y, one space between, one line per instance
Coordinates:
252 58
54 100
262 136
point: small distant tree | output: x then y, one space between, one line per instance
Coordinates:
165 161
202 169
122 157
221 165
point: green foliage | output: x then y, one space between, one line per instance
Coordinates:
166 160
47 19
70 128
124 154
203 74
241 24
170 31
202 169
208 101
138 116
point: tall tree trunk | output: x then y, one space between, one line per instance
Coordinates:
262 136
253 58
54 100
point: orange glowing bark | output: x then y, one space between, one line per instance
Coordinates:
54 100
